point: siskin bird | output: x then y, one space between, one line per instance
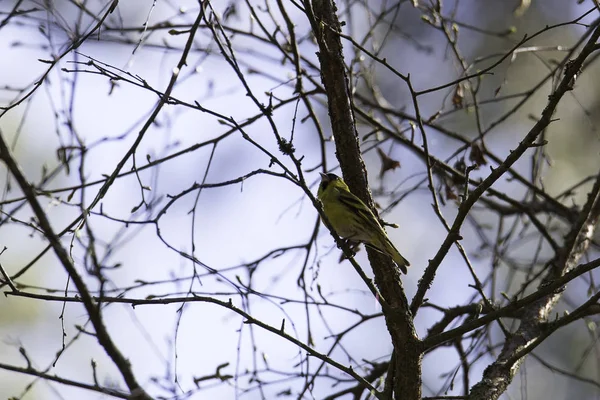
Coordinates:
353 220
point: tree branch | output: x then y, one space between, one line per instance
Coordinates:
407 347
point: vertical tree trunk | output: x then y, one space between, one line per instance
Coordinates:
404 374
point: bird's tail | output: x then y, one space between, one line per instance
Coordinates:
385 246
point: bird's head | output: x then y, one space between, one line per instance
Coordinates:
326 179
331 180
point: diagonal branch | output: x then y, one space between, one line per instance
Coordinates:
566 84
92 308
534 327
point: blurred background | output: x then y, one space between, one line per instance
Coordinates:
193 212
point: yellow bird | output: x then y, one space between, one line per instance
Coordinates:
353 220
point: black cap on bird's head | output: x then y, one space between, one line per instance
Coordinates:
326 178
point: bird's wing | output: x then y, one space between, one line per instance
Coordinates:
360 209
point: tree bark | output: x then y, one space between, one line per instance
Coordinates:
404 374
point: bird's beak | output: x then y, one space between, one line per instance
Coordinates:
324 177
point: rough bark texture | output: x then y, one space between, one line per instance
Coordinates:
404 380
